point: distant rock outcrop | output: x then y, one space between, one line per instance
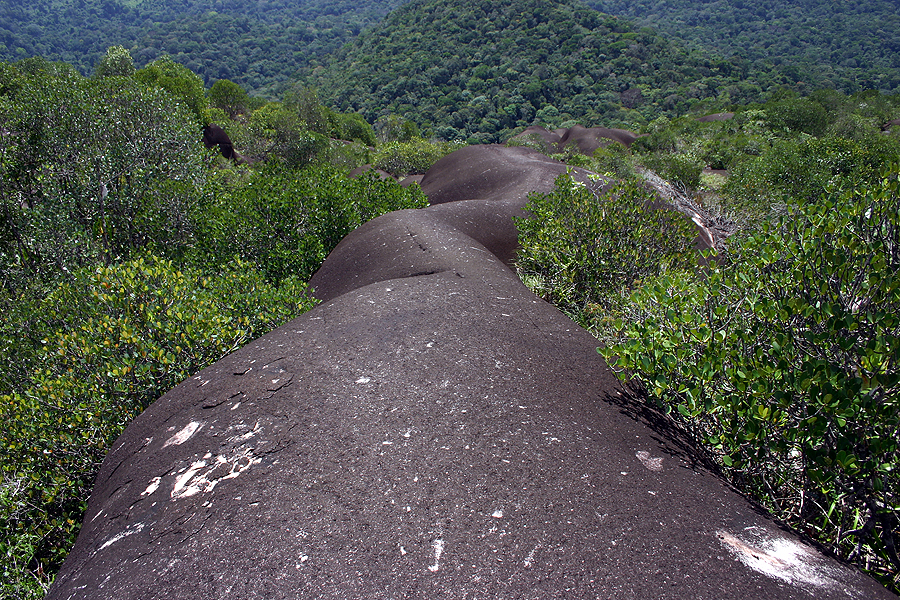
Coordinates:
585 140
431 430
722 116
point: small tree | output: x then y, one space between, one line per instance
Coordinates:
116 63
182 83
228 96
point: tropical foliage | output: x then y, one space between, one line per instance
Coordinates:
812 43
131 256
257 45
476 71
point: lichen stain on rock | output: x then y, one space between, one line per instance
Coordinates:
184 435
783 558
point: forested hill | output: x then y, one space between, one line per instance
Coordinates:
476 70
257 43
261 44
849 46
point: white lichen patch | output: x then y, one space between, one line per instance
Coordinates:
529 560
438 546
154 485
186 433
124 534
782 558
204 477
246 435
652 463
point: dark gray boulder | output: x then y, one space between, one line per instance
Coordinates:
431 430
585 140
588 139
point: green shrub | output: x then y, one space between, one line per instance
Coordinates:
679 169
92 170
277 133
117 62
797 115
804 168
228 97
411 157
114 339
350 127
287 221
613 160
785 364
181 83
584 253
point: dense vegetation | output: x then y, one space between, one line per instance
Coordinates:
476 70
132 257
259 45
849 46
780 357
262 46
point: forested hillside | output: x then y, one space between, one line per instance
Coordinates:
849 46
262 45
477 70
257 44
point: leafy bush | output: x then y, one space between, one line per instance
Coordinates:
804 168
798 114
350 127
287 221
228 97
584 253
785 364
613 160
277 133
680 169
411 157
116 63
114 339
185 86
90 170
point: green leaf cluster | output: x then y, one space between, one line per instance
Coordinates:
287 221
413 157
112 339
584 251
784 361
90 169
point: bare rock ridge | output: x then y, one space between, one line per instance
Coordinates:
431 430
583 139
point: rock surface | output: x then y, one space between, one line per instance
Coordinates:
722 116
432 430
585 140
